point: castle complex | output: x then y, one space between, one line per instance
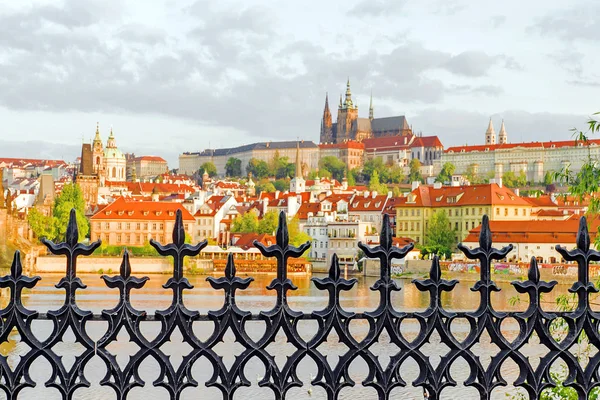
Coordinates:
350 127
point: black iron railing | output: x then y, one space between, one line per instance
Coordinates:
281 318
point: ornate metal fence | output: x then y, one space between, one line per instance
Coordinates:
433 379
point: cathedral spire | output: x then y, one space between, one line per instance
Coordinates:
97 137
348 102
371 106
340 101
490 134
502 136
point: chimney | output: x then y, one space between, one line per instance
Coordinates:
374 193
516 190
437 185
264 205
277 194
366 194
415 185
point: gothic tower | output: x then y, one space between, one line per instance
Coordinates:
490 134
502 137
347 114
371 107
98 152
326 123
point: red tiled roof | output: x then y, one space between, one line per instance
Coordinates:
124 209
148 187
150 158
426 141
448 196
507 146
387 142
350 144
306 208
533 231
246 240
401 241
370 203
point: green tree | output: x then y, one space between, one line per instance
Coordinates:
268 223
446 173
245 223
396 174
70 197
334 165
415 171
233 167
372 165
472 175
439 237
512 180
297 236
549 178
41 225
351 176
281 184
376 185
209 168
265 186
258 168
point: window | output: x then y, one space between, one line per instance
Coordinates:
161 226
516 212
418 226
412 226
456 226
418 213
98 226
119 226
146 226
472 224
473 210
523 212
128 226
107 225
138 226
467 225
449 213
467 211
506 212
118 238
480 210
412 212
497 211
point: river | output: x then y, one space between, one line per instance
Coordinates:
307 298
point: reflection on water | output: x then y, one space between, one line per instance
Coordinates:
307 298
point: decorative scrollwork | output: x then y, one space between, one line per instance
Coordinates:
333 318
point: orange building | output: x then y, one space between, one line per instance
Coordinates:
350 152
133 223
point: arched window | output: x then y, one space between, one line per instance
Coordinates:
114 174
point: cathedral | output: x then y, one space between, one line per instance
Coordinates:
98 165
350 127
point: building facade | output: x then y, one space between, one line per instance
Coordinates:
189 163
534 159
134 223
350 152
146 167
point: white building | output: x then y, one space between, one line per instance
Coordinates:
535 159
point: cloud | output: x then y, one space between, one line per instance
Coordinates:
579 22
376 8
498 20
470 63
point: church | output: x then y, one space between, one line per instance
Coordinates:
350 127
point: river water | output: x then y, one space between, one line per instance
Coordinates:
307 298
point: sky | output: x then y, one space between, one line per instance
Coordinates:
171 75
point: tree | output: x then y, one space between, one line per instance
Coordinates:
265 186
472 175
415 171
446 173
42 226
439 237
209 168
351 176
375 185
233 167
281 184
548 178
268 224
297 236
372 165
258 168
396 174
334 165
511 180
70 197
245 223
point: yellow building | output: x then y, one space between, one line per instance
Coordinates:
464 205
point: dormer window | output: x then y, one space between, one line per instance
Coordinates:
145 212
158 213
120 212
130 212
108 212
171 213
